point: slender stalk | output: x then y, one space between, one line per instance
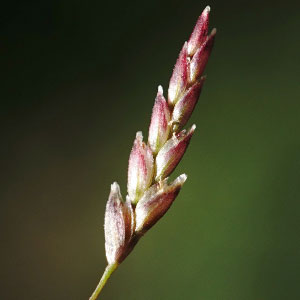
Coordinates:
108 271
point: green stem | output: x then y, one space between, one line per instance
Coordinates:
108 271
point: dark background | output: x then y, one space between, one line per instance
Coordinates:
78 79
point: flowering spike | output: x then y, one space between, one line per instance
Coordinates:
159 127
118 225
185 106
199 33
149 194
155 203
201 56
140 169
171 153
178 80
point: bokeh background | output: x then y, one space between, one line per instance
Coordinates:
79 79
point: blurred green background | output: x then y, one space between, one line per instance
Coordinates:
79 79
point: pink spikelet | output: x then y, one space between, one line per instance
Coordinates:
200 32
140 169
184 107
159 128
179 77
171 153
